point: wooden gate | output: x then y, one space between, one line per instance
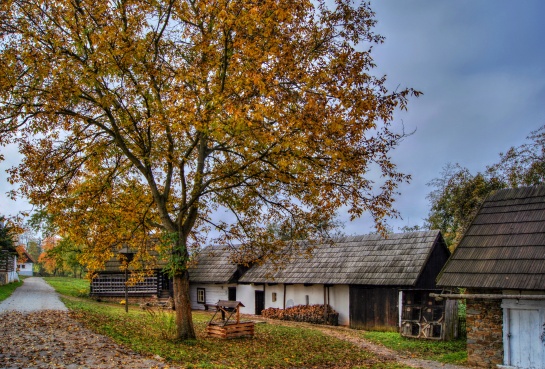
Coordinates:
373 308
524 334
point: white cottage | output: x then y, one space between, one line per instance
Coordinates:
214 277
366 279
25 265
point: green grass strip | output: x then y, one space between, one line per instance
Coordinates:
7 289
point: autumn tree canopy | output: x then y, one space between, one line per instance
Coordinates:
136 116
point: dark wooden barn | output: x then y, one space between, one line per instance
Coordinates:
500 262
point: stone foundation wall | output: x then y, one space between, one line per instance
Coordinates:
484 333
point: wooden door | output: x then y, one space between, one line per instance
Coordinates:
524 333
232 294
259 302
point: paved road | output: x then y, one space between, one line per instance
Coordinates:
34 295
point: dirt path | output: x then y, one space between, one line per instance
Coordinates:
51 339
349 335
345 335
36 331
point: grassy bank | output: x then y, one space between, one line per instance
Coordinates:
452 352
66 286
7 289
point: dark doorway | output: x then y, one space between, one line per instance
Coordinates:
232 294
166 286
259 302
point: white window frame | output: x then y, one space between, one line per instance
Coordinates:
201 295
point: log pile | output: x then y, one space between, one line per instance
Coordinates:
316 314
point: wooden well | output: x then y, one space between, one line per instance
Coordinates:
223 327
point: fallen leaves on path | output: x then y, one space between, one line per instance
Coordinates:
51 339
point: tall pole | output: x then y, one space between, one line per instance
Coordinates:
127 258
126 287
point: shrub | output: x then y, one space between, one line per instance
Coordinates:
316 314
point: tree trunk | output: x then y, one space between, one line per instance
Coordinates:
182 303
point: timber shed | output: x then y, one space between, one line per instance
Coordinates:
500 262
371 281
110 282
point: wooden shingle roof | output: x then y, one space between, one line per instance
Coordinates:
364 260
504 247
212 265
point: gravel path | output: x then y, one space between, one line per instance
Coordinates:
34 295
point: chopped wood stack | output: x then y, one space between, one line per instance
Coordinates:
316 314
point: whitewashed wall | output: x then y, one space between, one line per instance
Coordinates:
26 269
246 295
13 276
213 293
339 296
296 295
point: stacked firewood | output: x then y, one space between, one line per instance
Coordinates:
316 314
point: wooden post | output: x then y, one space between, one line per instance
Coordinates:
284 297
325 304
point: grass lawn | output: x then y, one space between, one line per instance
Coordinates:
452 352
273 346
75 287
7 289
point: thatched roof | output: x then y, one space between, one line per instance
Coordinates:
212 265
504 247
365 260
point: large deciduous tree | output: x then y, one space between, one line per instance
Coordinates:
138 115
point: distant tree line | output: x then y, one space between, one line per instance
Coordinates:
457 193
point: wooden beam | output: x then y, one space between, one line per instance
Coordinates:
485 296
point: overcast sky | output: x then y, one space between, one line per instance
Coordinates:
481 67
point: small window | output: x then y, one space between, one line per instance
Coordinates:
201 295
274 296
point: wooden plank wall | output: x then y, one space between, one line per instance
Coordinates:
373 308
